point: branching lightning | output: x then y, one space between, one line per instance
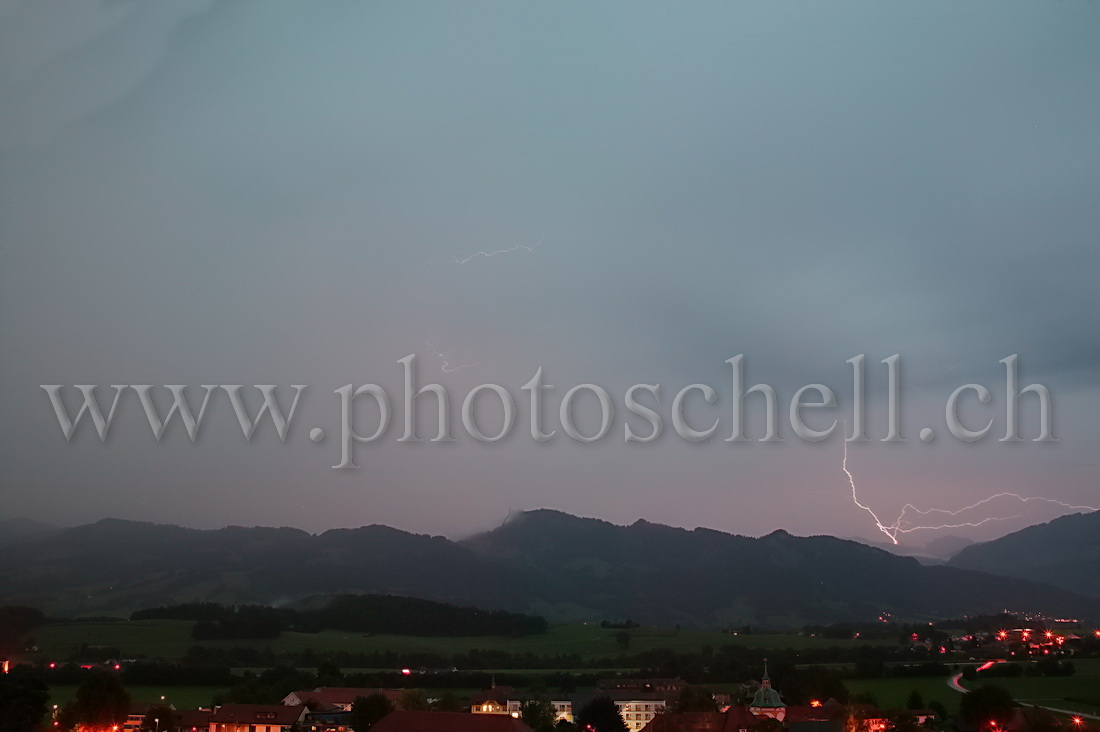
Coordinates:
486 254
903 525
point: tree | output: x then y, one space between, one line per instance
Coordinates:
414 700
366 710
601 715
941 714
24 697
160 718
904 722
101 701
694 699
987 704
623 639
915 700
329 674
539 715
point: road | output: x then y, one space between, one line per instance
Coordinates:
953 682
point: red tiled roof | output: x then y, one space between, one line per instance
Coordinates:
197 718
813 714
498 694
311 701
739 718
401 721
328 696
257 714
731 720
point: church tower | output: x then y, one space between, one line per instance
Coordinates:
767 702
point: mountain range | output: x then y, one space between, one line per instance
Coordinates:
1064 552
542 562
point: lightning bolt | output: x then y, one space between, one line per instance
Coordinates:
487 254
903 525
445 365
855 499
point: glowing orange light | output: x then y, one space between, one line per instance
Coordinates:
815 703
1078 720
1050 634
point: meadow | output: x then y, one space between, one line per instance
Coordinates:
894 693
171 639
1055 691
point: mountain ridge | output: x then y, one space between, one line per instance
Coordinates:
542 562
1029 553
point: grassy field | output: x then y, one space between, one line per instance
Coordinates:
1083 687
171 639
1052 691
893 693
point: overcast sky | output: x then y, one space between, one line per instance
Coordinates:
265 191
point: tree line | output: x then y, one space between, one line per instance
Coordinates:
352 613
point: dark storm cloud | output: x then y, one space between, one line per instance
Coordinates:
272 192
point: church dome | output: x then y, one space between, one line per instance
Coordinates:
766 697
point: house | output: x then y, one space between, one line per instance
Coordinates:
401 721
866 718
337 698
563 707
256 718
193 720
136 716
338 721
922 716
492 701
734 719
636 708
197 720
767 704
